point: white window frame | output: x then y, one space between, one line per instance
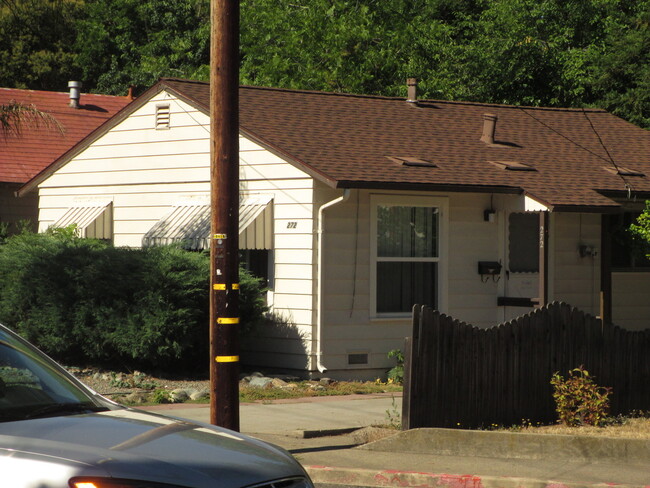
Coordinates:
439 202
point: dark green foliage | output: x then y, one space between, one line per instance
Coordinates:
252 302
37 43
134 42
396 373
525 52
86 302
641 228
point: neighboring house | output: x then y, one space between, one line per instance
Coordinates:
355 207
34 147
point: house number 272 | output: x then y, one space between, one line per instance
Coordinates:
292 225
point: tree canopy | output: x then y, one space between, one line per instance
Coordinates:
530 52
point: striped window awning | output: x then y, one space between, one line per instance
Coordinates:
92 218
189 224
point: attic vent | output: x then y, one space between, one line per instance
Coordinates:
407 161
512 165
621 170
162 116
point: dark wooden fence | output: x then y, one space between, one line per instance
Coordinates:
458 375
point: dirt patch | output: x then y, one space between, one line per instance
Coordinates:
630 428
137 387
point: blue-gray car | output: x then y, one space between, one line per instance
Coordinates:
57 433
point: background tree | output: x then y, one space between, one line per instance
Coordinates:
134 42
37 40
640 231
535 52
622 83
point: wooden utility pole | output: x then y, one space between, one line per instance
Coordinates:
224 199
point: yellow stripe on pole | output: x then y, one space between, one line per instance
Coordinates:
235 286
219 286
227 359
228 320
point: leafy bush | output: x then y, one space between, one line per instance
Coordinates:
578 400
396 373
86 302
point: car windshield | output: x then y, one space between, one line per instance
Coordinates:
32 385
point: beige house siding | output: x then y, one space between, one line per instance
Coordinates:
144 171
292 291
349 325
631 300
576 279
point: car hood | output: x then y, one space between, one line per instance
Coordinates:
127 443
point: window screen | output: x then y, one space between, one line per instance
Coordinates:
523 247
407 255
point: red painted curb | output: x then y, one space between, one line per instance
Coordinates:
413 479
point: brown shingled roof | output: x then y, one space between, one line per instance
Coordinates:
355 141
352 141
24 155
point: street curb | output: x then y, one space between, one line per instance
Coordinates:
515 445
325 476
312 434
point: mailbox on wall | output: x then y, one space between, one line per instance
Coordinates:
489 268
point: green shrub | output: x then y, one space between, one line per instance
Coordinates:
578 400
86 302
161 396
396 373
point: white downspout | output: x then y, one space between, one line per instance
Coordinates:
319 291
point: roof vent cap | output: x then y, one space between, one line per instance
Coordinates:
75 93
489 128
412 85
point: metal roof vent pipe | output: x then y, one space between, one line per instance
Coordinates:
489 128
412 94
75 93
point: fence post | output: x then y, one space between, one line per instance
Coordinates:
406 396
409 402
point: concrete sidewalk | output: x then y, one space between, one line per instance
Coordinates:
429 457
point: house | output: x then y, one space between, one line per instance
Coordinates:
356 207
25 154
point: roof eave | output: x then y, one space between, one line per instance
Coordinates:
456 188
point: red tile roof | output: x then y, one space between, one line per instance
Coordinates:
23 156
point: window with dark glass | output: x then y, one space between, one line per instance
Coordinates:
407 257
258 262
628 251
523 243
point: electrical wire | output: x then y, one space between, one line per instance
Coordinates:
628 187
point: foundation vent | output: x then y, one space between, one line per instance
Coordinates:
358 358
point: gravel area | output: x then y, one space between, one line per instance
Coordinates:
112 384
